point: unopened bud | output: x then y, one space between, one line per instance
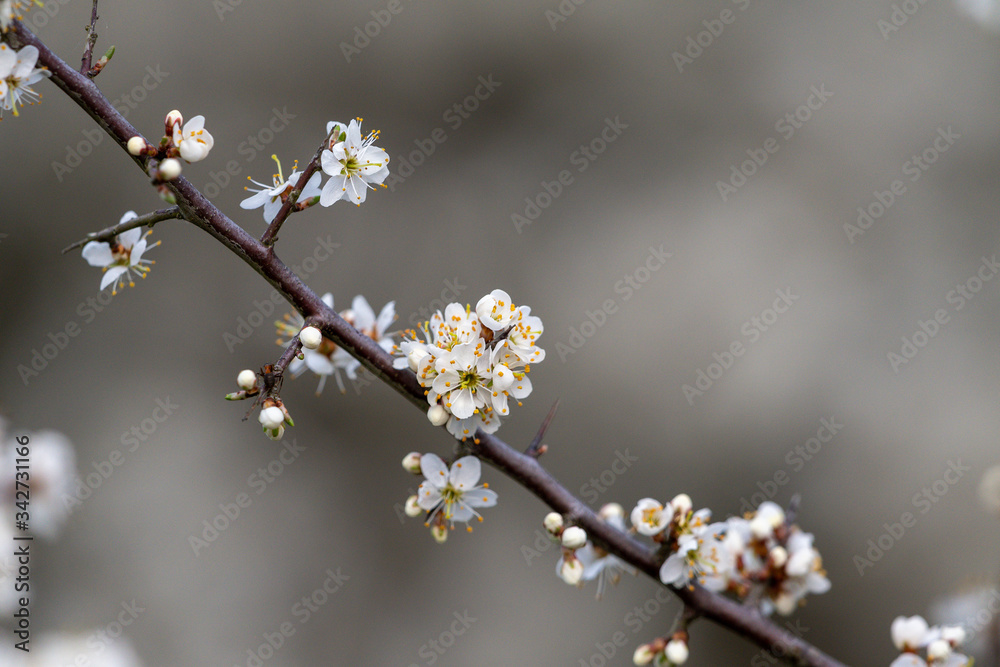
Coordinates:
437 415
571 571
681 504
310 337
677 651
272 417
779 556
136 145
411 508
247 379
170 169
440 534
174 118
553 522
414 358
611 511
574 537
275 433
411 463
643 655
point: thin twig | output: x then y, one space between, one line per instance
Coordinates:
536 449
271 233
149 219
88 52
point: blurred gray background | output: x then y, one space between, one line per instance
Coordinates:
451 220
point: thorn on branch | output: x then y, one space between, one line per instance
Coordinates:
536 448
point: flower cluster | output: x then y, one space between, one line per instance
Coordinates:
324 357
447 494
582 560
17 73
473 361
189 141
273 413
917 641
351 160
761 555
122 257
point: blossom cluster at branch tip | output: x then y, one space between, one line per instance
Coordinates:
473 361
122 257
327 358
18 73
760 555
447 494
924 646
581 559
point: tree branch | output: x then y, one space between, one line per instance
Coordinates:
149 219
522 468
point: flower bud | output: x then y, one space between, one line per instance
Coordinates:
612 510
170 169
247 379
953 634
677 651
939 649
574 537
785 604
553 522
682 504
437 414
440 534
136 145
411 463
571 571
310 337
272 417
779 556
414 358
174 118
411 508
643 655
275 433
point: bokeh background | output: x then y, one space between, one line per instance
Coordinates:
450 224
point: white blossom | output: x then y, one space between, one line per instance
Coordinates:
121 257
354 164
193 141
17 74
453 493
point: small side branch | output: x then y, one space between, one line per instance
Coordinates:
148 219
88 52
